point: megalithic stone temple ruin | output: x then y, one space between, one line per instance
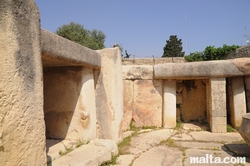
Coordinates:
52 88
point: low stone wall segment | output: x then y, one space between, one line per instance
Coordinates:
241 52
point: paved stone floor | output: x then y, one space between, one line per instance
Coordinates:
163 147
175 147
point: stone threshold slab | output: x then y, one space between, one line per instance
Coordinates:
94 153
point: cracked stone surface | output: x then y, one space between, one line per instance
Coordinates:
163 147
166 147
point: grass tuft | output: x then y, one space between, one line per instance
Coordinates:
67 150
230 128
178 125
113 161
149 127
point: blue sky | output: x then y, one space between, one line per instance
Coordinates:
143 26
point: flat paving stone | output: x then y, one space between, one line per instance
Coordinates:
160 156
200 145
147 140
125 160
146 149
182 137
217 137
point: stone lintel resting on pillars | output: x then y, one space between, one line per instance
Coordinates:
169 106
216 104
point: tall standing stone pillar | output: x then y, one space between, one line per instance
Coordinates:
109 95
216 104
22 128
247 92
237 100
169 110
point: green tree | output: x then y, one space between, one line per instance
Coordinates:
211 53
173 47
93 39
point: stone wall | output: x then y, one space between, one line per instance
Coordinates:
200 93
152 61
241 52
140 88
149 102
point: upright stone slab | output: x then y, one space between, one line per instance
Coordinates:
69 103
128 103
109 95
147 103
216 104
194 100
22 128
85 115
247 91
169 110
237 100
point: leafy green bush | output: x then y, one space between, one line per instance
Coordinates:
211 53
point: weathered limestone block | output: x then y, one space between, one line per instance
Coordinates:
194 100
59 51
128 103
147 109
247 91
237 100
22 128
244 129
137 72
152 61
169 111
109 95
243 65
216 104
69 103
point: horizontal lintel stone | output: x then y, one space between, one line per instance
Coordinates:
205 69
59 51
